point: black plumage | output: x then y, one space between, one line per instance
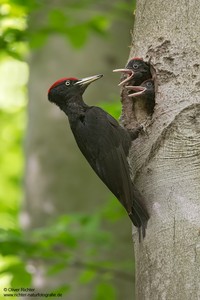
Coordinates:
135 72
103 142
145 92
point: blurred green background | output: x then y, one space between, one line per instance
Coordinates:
74 246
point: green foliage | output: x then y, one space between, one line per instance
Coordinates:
10 155
105 291
18 270
72 234
13 76
113 212
75 20
113 108
87 276
63 290
66 236
12 125
13 26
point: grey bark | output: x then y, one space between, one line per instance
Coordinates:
166 160
58 180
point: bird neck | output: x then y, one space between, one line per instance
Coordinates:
74 107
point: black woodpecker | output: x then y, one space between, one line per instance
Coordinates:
135 72
103 142
146 92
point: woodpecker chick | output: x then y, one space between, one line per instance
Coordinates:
103 142
146 92
135 72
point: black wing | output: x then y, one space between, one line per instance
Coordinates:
105 145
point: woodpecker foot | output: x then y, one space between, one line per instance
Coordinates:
145 125
134 133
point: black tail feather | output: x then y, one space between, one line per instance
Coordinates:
139 215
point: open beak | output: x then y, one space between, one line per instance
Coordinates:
87 80
139 90
127 72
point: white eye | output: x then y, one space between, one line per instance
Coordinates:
67 82
149 84
135 66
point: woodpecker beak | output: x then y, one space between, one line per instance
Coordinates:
139 90
84 82
127 72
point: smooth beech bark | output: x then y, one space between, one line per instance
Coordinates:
166 159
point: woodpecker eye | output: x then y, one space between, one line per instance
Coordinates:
149 84
67 82
135 66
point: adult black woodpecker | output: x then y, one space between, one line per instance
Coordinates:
135 72
144 92
103 142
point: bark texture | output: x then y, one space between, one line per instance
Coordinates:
166 160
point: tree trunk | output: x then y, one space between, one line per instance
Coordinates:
166 160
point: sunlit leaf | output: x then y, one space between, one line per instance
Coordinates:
113 108
61 290
87 276
99 24
105 291
38 39
58 20
113 211
56 268
77 35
